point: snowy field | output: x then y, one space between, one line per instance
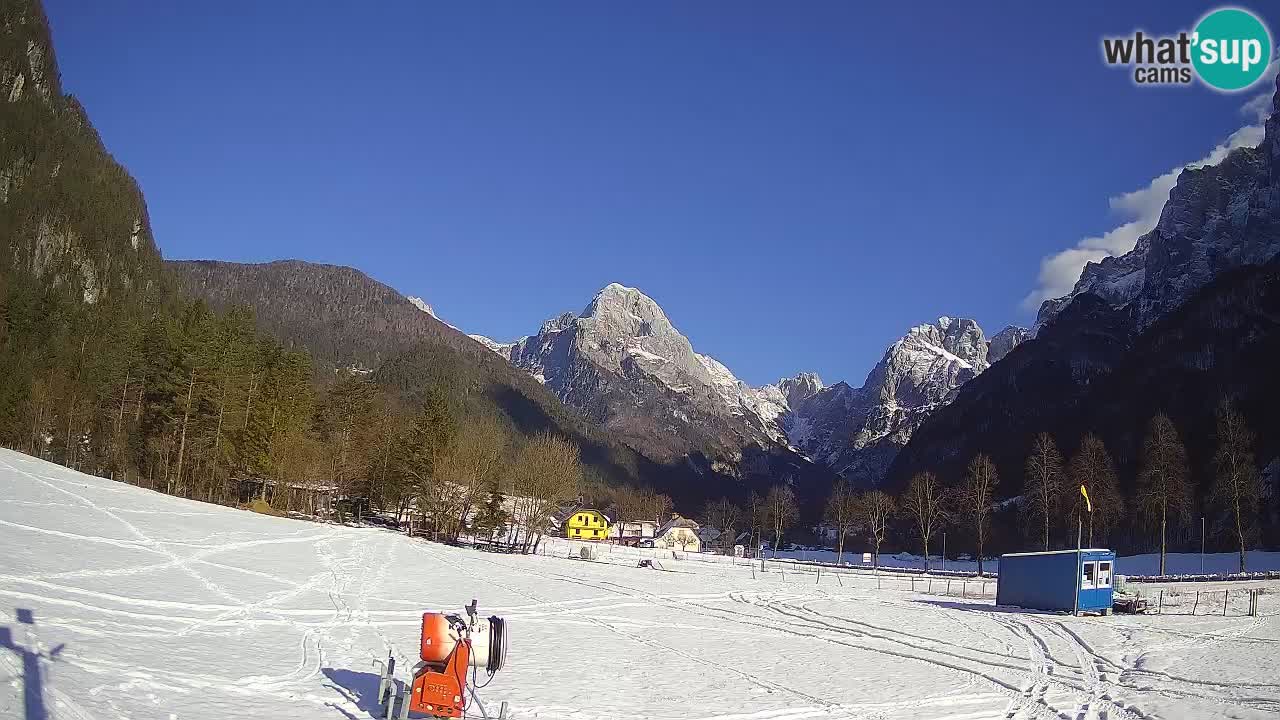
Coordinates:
117 602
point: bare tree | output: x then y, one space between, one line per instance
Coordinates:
1043 485
1237 485
976 496
631 505
1091 468
841 514
546 473
924 501
781 511
1164 490
470 468
661 506
875 507
724 516
756 515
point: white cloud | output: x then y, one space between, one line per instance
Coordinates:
1140 209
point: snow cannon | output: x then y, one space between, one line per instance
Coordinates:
450 646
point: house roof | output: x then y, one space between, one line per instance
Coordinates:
1057 552
676 522
569 511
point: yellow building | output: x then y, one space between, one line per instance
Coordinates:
587 524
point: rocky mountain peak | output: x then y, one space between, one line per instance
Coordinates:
421 305
1003 342
1217 218
799 387
563 321
958 340
628 312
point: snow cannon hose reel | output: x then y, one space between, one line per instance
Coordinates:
450 644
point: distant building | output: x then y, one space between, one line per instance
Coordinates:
586 524
679 533
630 532
708 537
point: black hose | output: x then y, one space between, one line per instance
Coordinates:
497 644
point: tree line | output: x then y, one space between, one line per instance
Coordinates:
198 404
1051 510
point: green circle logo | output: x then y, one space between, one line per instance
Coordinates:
1230 49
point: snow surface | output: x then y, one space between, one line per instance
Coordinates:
133 604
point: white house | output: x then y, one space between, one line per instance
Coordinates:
630 531
678 533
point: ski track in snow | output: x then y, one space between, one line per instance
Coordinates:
168 608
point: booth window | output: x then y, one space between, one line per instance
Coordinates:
1089 576
1104 574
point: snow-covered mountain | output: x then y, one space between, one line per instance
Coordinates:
1218 217
858 431
623 363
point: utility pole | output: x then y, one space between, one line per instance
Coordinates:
1201 544
944 551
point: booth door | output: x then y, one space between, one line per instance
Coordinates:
1095 584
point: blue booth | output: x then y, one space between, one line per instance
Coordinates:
1055 580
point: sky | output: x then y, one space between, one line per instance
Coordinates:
795 184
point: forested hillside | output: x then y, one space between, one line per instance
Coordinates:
107 367
348 322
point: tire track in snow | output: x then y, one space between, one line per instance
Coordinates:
1000 685
761 682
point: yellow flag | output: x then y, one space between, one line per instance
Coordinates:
1087 503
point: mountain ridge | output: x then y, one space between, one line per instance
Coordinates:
621 358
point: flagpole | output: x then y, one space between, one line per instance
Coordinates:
1079 569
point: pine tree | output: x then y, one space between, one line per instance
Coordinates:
429 438
492 518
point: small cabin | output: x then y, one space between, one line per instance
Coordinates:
586 524
1060 580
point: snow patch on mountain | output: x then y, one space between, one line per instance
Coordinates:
422 305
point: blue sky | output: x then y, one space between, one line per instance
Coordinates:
796 184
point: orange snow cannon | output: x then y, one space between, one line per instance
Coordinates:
449 648
440 683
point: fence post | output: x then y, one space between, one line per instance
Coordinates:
819 580
1193 607
1225 593
1160 604
948 587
